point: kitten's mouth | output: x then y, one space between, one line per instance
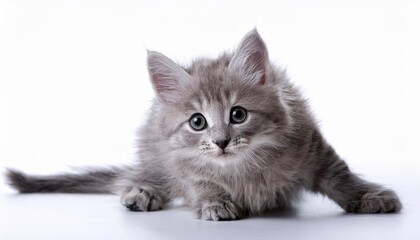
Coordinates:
224 154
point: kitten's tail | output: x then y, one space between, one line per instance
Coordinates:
90 180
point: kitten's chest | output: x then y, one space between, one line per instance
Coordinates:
259 195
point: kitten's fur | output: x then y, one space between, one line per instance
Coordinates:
275 153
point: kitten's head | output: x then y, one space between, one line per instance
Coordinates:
220 111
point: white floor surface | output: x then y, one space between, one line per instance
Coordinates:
66 216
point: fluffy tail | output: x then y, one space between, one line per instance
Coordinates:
99 180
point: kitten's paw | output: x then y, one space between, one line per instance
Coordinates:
137 199
218 210
385 201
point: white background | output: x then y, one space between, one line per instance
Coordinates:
74 84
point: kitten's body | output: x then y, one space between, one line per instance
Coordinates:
267 159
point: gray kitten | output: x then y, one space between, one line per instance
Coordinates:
230 136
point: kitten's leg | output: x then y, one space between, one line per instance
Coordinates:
146 193
211 202
333 178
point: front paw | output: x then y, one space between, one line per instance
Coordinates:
218 210
138 199
385 201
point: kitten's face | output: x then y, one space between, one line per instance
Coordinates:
220 110
222 118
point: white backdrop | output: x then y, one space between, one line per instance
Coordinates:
74 85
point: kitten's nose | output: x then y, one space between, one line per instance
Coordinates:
222 143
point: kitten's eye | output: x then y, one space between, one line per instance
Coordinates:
198 122
238 115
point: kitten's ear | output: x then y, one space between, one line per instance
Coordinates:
251 58
166 76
